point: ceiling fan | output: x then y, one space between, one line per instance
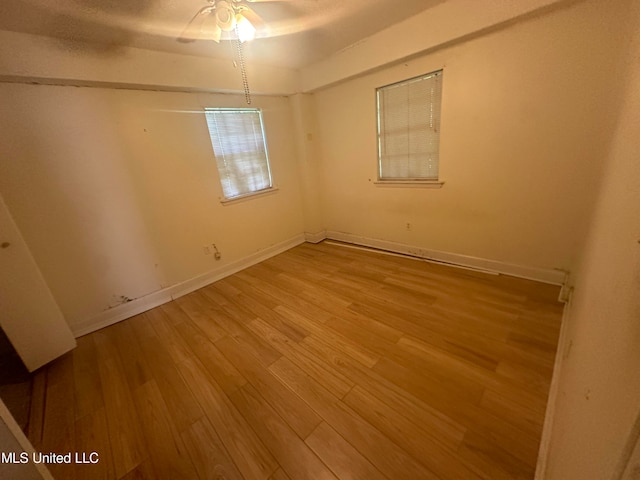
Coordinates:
226 16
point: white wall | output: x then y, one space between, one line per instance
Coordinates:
527 115
116 191
307 148
599 384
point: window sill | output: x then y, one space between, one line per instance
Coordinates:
248 196
410 183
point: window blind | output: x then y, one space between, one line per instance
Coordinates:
237 137
409 128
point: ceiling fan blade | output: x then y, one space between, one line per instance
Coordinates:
253 17
193 30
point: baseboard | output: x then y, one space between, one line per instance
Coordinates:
200 281
567 288
315 237
547 429
155 299
121 312
142 304
551 276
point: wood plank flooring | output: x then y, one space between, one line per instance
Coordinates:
324 362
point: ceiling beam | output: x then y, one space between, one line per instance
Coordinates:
50 61
438 26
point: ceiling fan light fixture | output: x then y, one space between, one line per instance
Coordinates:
225 16
246 30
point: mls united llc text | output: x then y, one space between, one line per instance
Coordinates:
52 457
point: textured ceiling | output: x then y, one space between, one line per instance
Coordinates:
295 32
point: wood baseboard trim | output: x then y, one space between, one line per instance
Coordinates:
549 416
121 312
550 276
315 237
154 299
200 281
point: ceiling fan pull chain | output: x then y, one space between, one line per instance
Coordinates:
243 71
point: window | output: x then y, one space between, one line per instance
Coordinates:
409 129
239 145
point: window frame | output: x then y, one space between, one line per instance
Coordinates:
428 182
267 163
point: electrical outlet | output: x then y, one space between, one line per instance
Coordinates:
408 226
206 250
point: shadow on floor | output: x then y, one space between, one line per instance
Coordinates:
15 382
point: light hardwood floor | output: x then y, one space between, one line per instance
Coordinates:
324 362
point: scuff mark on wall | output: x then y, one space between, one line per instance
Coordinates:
119 300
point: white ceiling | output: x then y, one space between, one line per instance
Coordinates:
296 32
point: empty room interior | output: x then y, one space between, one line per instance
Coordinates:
320 239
